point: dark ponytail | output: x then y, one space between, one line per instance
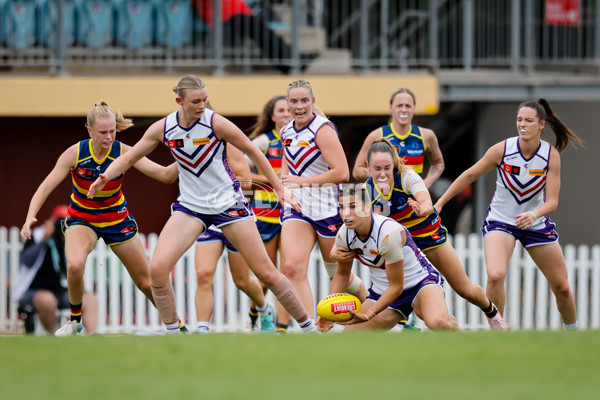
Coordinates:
563 133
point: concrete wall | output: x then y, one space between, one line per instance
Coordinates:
576 216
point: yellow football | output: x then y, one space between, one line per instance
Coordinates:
337 306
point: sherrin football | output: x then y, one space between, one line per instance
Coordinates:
336 307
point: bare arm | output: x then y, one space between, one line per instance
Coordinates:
61 170
143 147
488 162
168 174
239 166
434 156
334 156
525 220
360 170
422 204
226 130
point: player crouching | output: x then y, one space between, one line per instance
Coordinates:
402 277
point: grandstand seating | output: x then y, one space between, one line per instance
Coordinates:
135 22
95 26
174 27
18 23
48 20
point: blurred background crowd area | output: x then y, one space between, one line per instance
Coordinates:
470 63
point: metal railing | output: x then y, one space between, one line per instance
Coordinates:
60 36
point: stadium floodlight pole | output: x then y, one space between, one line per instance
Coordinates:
295 37
219 69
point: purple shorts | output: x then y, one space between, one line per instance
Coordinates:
228 216
327 227
404 303
527 237
213 236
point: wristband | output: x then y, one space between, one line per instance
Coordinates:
374 313
533 214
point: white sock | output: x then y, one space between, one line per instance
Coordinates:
203 326
264 310
174 327
308 326
571 327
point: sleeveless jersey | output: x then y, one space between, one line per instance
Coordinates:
395 205
411 147
265 205
304 158
108 207
416 265
206 183
520 183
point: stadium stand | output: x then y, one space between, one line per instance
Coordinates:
134 23
173 28
48 19
95 27
18 23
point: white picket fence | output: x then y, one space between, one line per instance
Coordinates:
124 309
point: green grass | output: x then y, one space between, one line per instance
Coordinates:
483 365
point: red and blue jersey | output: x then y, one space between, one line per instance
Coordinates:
395 205
108 207
411 147
265 205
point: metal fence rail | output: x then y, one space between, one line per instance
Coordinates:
530 303
64 36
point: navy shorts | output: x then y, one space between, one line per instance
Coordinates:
119 233
267 230
226 217
404 303
327 227
438 238
527 237
214 236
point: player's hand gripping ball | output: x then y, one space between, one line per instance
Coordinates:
336 307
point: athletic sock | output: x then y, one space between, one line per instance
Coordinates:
571 327
308 325
173 328
76 312
281 328
264 310
203 327
491 311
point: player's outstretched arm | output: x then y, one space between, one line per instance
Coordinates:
61 169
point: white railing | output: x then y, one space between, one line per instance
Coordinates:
124 309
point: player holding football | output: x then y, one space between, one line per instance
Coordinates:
403 280
527 188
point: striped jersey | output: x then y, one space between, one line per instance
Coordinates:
520 183
411 147
304 158
108 207
395 205
416 265
206 183
265 205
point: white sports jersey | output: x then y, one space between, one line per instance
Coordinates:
520 184
303 158
206 183
416 265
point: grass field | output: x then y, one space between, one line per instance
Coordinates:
483 365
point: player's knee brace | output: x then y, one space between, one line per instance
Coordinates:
331 268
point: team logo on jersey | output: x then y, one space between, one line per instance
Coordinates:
303 143
87 173
511 169
536 172
175 143
201 142
286 142
275 152
358 251
374 253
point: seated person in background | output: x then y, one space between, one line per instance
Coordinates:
239 21
41 285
